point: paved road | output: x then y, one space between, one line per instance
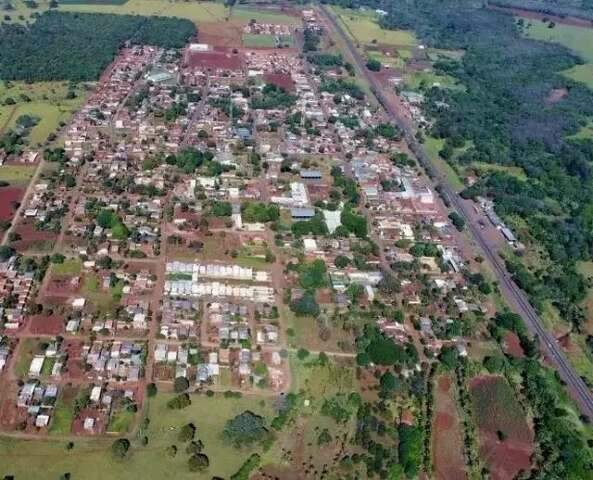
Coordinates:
514 296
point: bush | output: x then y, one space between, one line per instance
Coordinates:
179 402
151 390
198 462
120 448
187 432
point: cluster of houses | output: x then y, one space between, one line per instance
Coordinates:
16 288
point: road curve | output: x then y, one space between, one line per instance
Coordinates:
514 296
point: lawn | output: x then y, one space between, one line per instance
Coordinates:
91 459
17 174
363 28
581 73
578 39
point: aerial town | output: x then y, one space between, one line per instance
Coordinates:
243 227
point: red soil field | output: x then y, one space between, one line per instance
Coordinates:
31 236
446 433
219 58
282 80
513 345
8 195
46 325
496 409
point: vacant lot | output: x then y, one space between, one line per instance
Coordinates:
16 174
364 29
506 440
446 432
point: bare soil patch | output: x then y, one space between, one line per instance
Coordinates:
446 433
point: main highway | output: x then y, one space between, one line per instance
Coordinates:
514 296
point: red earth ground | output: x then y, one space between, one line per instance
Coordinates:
46 325
8 195
496 408
447 436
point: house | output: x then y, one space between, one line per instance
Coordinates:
302 213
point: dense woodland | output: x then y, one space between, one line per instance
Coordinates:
505 111
78 46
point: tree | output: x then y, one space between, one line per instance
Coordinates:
120 448
198 462
181 384
245 429
302 353
449 357
457 220
342 261
6 252
187 432
179 402
151 390
374 65
306 305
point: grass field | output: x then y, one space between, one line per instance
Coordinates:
69 268
251 40
433 146
516 172
16 174
46 100
578 39
581 73
91 459
362 26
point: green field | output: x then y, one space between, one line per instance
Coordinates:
362 26
16 174
45 100
578 39
433 146
251 40
69 268
91 459
581 73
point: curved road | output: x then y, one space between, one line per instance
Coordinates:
514 296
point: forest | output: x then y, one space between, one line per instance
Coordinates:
504 110
77 46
